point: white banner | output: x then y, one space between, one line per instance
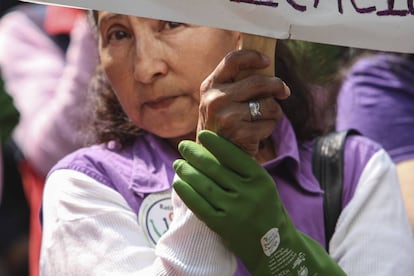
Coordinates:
373 24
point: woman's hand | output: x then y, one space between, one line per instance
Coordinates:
225 97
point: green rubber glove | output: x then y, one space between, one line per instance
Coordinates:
236 197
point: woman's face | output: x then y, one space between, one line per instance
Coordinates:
156 67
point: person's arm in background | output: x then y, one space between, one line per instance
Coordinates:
377 99
372 235
50 90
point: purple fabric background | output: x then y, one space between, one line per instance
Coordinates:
377 98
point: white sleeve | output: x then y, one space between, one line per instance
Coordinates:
89 229
373 235
189 247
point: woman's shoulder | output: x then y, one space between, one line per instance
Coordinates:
374 211
146 149
98 152
361 146
380 59
135 170
383 66
97 161
138 165
359 151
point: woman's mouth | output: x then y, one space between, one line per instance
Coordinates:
161 103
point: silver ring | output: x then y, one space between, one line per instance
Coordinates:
254 107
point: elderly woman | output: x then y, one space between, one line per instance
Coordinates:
107 208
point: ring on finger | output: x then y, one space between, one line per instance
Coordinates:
254 107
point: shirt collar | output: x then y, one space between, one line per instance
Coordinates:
285 143
152 169
153 160
292 159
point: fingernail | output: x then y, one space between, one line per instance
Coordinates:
287 89
265 58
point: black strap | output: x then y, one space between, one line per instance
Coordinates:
327 164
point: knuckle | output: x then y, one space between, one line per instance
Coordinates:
227 121
270 108
255 82
211 100
241 59
206 84
249 144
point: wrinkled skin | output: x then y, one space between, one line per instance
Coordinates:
171 78
224 101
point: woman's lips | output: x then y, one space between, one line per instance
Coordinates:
160 103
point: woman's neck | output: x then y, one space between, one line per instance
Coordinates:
175 141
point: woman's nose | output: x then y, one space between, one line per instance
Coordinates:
150 62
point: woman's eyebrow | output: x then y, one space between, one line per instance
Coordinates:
108 16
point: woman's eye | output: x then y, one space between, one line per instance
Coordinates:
173 25
117 35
